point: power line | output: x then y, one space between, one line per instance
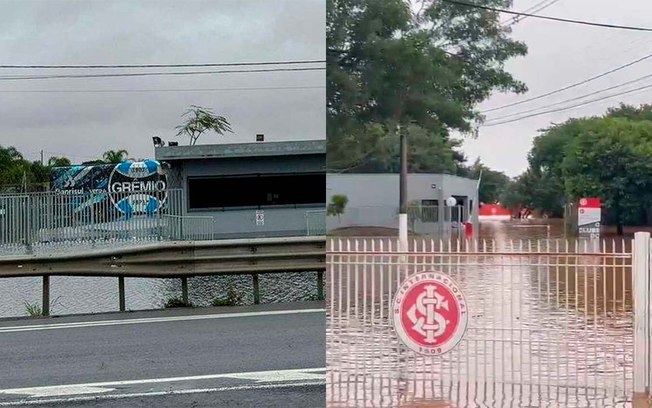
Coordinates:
571 106
140 74
563 20
160 90
573 99
576 84
542 5
225 64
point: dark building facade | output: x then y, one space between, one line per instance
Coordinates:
256 189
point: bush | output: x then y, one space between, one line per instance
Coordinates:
176 302
33 309
233 298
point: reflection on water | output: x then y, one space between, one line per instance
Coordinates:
550 322
71 295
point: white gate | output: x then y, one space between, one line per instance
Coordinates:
550 324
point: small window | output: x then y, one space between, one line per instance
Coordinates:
429 210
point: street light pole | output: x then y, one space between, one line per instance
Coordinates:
403 206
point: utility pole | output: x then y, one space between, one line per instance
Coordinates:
403 206
41 157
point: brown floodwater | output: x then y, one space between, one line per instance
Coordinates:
550 321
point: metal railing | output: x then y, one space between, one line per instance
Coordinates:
177 259
426 220
58 217
316 222
548 321
185 227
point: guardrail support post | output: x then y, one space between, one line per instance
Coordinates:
121 293
184 290
320 285
256 289
46 296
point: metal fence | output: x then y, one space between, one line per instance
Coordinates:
315 222
549 321
52 217
436 221
193 228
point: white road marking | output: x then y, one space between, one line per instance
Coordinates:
98 323
302 374
37 392
156 394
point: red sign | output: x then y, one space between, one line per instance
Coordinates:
429 313
590 203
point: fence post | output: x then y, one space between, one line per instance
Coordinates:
121 293
641 288
46 296
256 289
184 290
320 285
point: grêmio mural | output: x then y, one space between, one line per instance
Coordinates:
130 187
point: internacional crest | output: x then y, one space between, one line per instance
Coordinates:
430 313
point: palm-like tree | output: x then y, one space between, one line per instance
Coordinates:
200 120
115 156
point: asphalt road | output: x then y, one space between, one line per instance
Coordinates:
254 356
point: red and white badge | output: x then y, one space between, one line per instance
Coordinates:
429 313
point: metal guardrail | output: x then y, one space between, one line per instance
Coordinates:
177 259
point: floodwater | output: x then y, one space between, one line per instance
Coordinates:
550 322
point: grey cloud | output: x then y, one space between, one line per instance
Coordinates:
561 54
117 32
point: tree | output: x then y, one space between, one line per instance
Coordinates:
610 159
199 120
337 205
425 72
115 156
492 182
56 161
17 173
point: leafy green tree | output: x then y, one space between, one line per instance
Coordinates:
492 182
56 161
199 120
20 175
115 156
337 205
390 69
610 159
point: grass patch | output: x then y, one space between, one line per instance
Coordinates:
176 302
232 298
33 309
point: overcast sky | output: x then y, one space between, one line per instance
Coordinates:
561 54
83 125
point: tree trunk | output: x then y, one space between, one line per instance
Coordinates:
619 228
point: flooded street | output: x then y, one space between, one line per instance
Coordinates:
550 322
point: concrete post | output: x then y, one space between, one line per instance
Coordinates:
641 289
46 296
184 291
256 289
121 293
320 285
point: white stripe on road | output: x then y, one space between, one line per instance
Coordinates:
53 326
302 374
157 394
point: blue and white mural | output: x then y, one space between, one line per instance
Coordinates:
131 187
